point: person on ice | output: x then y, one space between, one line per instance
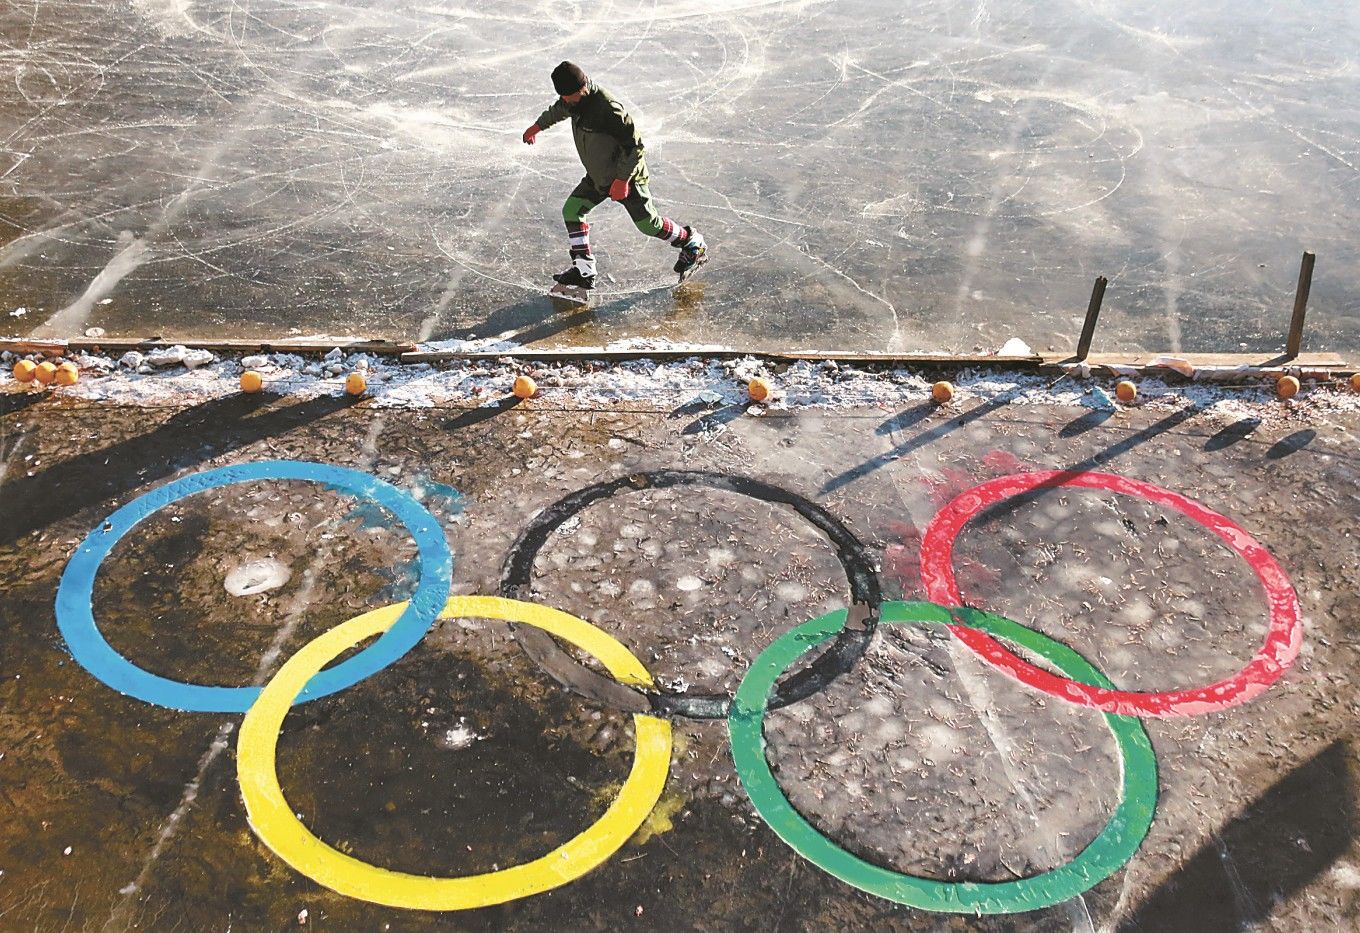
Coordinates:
611 151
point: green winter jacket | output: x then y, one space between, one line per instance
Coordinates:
606 139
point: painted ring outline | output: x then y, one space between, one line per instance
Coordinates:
277 826
75 614
1284 635
849 646
1105 855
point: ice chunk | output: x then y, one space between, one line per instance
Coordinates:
99 364
1098 399
167 356
196 358
257 576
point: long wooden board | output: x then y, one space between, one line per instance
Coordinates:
124 344
409 353
1049 361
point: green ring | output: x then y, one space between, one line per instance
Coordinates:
1110 850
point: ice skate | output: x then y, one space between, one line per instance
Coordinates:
572 285
693 254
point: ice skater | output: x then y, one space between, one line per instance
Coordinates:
611 151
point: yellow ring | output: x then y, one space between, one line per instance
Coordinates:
276 825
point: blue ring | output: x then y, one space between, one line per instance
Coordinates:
75 615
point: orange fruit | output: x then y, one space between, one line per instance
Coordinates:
67 374
251 381
356 384
758 389
1288 386
25 370
1125 391
942 391
525 387
46 372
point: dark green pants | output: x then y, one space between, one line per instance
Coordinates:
585 197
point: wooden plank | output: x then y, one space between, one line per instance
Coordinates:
50 347
1045 361
570 355
1200 360
124 344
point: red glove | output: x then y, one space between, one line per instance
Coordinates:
619 189
531 133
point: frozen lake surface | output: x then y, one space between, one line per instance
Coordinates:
871 174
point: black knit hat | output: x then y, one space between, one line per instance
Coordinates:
568 79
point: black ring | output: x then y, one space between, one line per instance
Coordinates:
848 647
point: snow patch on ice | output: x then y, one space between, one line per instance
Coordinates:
1015 347
702 382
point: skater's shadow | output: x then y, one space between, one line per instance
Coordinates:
527 322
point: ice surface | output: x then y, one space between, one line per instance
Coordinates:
870 174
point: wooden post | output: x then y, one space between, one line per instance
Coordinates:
1088 329
1295 340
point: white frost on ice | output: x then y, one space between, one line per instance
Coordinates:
459 737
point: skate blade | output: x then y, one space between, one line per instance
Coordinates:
572 293
689 273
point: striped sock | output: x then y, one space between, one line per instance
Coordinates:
581 257
672 232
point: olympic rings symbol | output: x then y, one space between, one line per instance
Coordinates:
848 647
75 616
1284 635
275 823
401 626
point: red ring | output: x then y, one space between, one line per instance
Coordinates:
1283 637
